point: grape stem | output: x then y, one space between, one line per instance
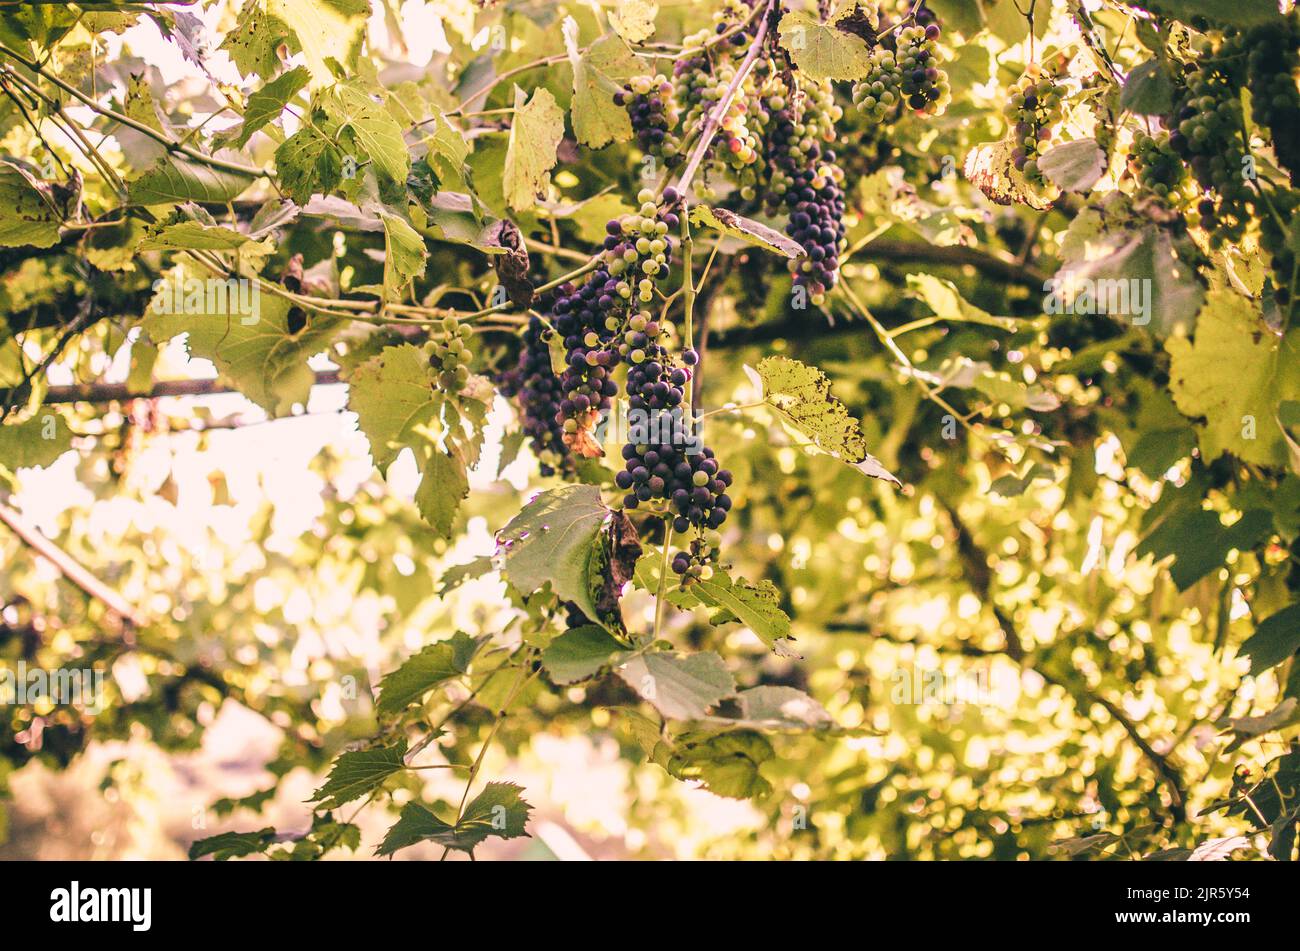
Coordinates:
716 115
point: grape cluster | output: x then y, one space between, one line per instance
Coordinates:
450 353
590 318
1034 107
1206 132
1272 64
879 94
695 564
652 108
1160 171
534 383
692 483
905 71
805 181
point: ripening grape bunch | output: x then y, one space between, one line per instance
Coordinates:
1032 110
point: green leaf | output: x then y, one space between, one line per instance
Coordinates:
801 396
35 442
245 333
1074 166
1275 640
1239 407
755 606
327 31
29 213
726 763
404 255
746 229
233 845
173 179
360 773
555 540
1200 543
1137 273
945 300
397 406
265 105
781 707
581 653
497 811
535 136
309 163
1148 90
680 686
377 134
597 76
444 484
253 43
194 235
822 50
422 672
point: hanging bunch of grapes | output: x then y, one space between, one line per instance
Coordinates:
535 385
1032 111
805 181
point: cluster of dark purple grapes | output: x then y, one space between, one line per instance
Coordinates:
583 317
692 483
535 385
806 182
1032 110
652 109
696 562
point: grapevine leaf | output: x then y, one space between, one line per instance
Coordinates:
822 50
754 605
746 229
781 707
253 43
404 255
265 105
945 300
581 653
801 395
727 764
377 134
360 773
499 810
990 169
233 845
680 686
420 673
309 163
535 136
28 213
174 179
634 20
1148 90
1239 407
248 337
553 540
1200 543
1074 166
444 484
597 75
37 441
397 407
1276 638
327 31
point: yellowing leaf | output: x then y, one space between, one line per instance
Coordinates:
597 120
326 30
823 50
535 136
634 20
1235 372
